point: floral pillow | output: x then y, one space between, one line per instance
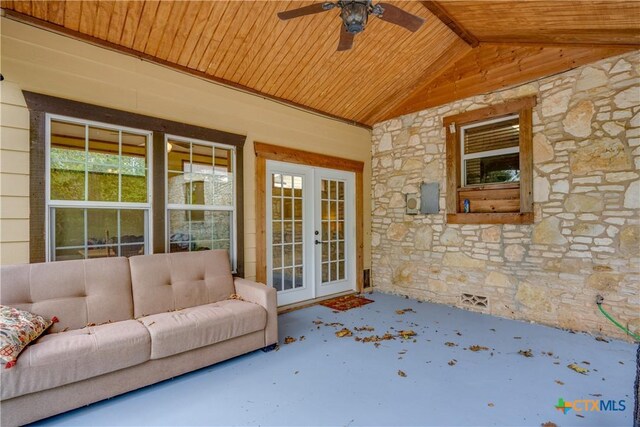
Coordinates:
17 329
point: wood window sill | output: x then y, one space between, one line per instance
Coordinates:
491 218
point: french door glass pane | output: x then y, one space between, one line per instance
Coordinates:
286 231
332 223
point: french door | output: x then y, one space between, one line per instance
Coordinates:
310 231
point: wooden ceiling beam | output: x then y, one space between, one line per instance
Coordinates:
441 13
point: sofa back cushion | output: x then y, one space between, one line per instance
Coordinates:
77 292
167 282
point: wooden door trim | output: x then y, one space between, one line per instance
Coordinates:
266 152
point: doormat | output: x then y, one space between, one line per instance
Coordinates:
346 302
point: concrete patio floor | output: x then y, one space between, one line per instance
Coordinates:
326 380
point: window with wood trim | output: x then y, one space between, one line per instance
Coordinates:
490 164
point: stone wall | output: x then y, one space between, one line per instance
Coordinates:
585 240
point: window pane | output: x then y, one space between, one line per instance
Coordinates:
492 136
494 169
69 227
102 226
188 233
223 178
134 168
103 164
67 160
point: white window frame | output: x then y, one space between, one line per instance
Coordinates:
85 204
233 252
482 154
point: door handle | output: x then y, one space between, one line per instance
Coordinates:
318 242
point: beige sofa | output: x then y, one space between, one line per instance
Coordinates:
127 323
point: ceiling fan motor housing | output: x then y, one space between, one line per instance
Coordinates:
355 14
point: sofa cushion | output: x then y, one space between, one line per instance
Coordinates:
17 329
67 357
183 330
76 292
167 282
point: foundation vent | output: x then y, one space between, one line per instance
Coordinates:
477 301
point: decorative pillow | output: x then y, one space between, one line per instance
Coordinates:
17 329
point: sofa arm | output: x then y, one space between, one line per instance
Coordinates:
265 296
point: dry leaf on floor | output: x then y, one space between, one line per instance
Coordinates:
405 310
490 405
452 362
478 347
302 338
601 339
407 334
364 328
450 344
296 373
376 344
318 322
526 353
579 416
401 373
579 369
517 338
344 332
289 340
559 382
334 324
236 296
548 424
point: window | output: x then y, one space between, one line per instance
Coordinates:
201 205
98 190
490 165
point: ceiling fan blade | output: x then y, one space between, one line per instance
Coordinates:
398 16
346 40
302 11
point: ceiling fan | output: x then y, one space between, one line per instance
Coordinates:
354 16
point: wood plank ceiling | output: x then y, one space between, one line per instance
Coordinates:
465 47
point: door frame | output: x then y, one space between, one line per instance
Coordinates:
266 152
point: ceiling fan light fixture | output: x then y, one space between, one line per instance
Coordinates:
354 15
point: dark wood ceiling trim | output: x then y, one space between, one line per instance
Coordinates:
529 43
39 23
448 20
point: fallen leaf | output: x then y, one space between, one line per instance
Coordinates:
401 373
579 369
364 328
452 362
296 373
318 322
458 333
236 297
335 324
450 344
289 340
376 344
405 310
548 424
490 405
601 339
344 332
578 415
492 329
478 348
517 338
526 353
406 334
559 382
302 338
585 362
